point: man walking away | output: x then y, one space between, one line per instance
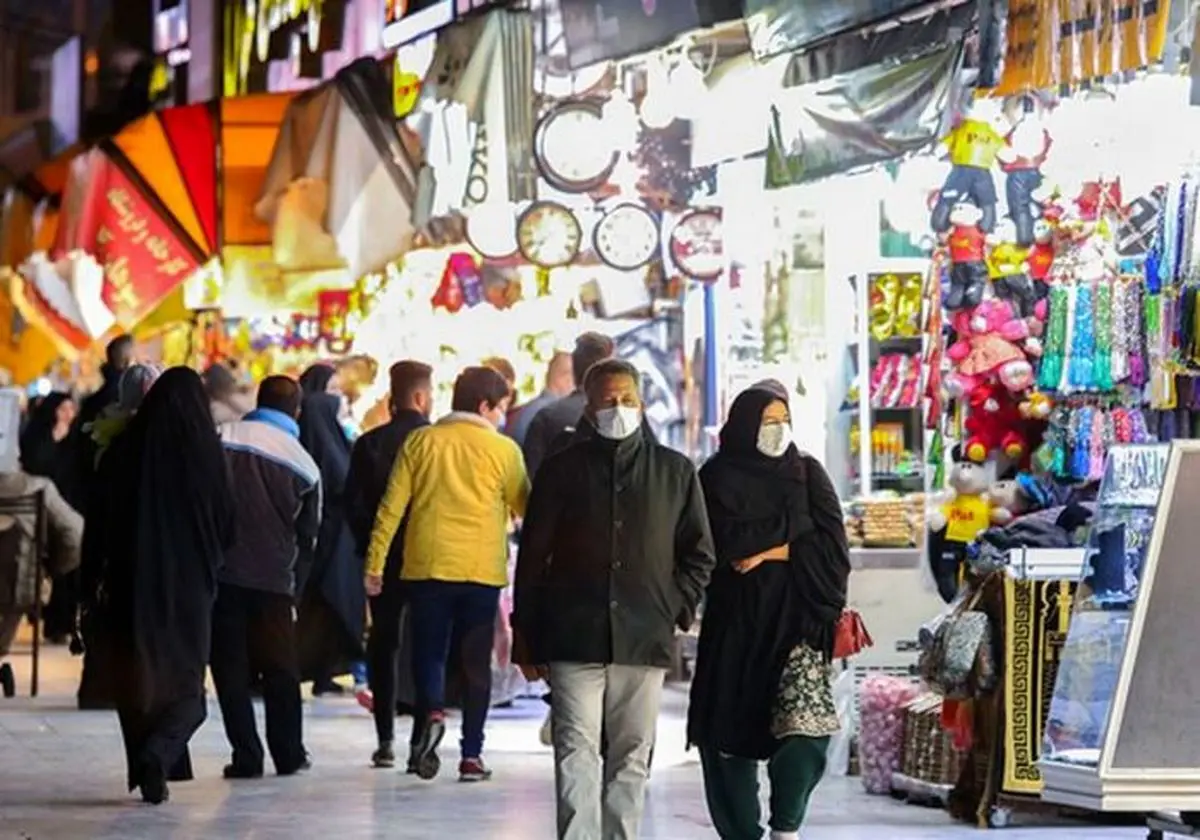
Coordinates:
459 481
560 382
563 414
370 465
615 553
277 494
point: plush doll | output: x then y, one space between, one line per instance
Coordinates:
1021 159
963 514
993 423
1041 255
968 261
972 145
1016 495
1008 268
1036 406
990 341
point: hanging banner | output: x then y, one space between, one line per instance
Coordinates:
871 115
603 30
778 27
143 259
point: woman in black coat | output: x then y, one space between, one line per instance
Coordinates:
333 605
762 686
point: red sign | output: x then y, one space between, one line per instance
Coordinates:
143 259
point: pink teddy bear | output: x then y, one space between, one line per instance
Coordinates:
991 341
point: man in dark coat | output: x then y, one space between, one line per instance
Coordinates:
370 465
615 553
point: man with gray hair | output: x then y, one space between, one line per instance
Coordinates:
615 553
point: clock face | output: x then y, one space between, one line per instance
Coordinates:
627 237
492 231
549 235
697 245
571 150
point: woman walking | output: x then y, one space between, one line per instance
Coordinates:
332 602
762 686
159 521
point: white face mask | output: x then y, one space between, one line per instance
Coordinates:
618 423
774 439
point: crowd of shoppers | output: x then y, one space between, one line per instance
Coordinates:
255 543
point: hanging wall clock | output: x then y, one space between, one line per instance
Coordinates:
627 237
549 235
570 147
697 245
491 230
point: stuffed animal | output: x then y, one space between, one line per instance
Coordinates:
1021 159
1041 255
993 423
1036 406
1008 268
968 261
1016 495
964 513
972 145
991 341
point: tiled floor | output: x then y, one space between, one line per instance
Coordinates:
61 778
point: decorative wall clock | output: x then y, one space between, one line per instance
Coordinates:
627 237
697 244
571 149
549 235
491 230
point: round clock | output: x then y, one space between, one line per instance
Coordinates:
697 245
549 235
570 147
627 237
491 230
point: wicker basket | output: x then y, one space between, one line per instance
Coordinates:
929 754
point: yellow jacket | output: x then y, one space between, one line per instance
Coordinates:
459 481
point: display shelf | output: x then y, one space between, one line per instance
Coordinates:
885 558
1045 563
1121 732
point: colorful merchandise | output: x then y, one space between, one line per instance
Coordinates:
992 342
881 729
993 424
973 146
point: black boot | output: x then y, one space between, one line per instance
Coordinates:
8 682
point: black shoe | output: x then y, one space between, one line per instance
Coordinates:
234 771
154 786
8 682
411 768
425 757
304 765
327 687
385 757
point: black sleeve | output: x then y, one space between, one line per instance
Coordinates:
736 538
826 511
360 513
694 553
537 442
533 561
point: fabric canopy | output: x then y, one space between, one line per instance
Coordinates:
341 186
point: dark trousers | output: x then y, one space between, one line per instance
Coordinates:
1019 189
255 632
61 613
441 610
389 620
946 561
731 787
156 743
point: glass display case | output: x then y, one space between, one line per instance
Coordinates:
1122 733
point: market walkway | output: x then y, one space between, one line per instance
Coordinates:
61 774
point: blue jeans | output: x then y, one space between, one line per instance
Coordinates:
466 612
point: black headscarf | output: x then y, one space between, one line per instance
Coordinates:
316 379
41 454
322 435
753 621
164 516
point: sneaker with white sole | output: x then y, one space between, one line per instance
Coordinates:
473 770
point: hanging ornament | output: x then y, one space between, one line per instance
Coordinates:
449 294
572 311
470 280
543 282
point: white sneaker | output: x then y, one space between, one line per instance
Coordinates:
546 733
785 835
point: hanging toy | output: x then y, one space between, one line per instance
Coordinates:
1009 271
973 145
1041 254
989 343
1021 159
968 263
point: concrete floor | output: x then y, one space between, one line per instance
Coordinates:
62 774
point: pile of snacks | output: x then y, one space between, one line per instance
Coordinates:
886 521
896 381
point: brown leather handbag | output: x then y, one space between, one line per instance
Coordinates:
850 637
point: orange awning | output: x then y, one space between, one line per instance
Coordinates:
249 129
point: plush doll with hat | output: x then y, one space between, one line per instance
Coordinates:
964 513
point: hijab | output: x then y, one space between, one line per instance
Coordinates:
739 435
316 379
321 433
40 452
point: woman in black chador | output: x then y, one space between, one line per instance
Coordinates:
762 686
332 600
159 521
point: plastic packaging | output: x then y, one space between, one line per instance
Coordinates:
838 754
881 729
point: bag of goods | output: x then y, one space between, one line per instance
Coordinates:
881 729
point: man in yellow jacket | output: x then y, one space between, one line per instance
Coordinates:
459 482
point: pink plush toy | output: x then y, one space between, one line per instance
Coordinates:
992 341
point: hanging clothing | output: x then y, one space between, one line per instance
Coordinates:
753 621
159 520
332 600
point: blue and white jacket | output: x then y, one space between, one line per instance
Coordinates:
277 491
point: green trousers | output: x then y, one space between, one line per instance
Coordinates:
731 787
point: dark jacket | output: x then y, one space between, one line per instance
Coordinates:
615 552
277 495
371 464
76 488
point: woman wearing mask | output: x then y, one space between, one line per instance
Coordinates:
46 452
160 520
762 690
332 602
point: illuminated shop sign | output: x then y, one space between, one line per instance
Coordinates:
250 25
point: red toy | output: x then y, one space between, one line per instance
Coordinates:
993 423
968 257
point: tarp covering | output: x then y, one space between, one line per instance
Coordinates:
339 164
